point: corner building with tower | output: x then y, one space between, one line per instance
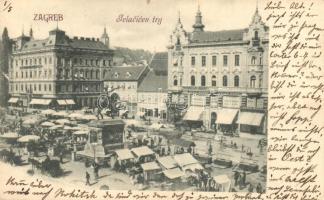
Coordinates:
218 80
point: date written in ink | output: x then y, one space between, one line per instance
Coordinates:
48 17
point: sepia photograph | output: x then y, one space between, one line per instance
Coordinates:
153 96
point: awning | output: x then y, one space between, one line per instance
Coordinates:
124 154
61 102
226 116
193 167
167 162
70 102
142 151
194 113
249 118
173 173
150 166
185 159
13 100
40 101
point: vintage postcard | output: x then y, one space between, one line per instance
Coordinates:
152 99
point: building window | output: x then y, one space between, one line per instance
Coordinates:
104 62
39 87
49 87
256 35
260 60
253 60
203 80
236 81
213 81
50 60
237 60
225 60
45 87
225 81
203 61
193 61
22 74
31 74
35 88
175 81
40 61
193 80
252 81
16 74
26 74
49 73
214 60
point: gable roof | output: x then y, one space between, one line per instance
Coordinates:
159 63
152 82
129 73
217 36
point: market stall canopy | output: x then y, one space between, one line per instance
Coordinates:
185 159
124 154
224 181
65 102
40 101
61 114
226 116
62 121
173 173
75 115
81 132
30 121
48 124
10 135
250 118
193 167
56 127
142 151
13 100
48 112
167 162
194 113
28 138
88 117
156 126
150 166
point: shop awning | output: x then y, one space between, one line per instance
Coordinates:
13 100
61 102
193 167
173 173
70 102
150 166
194 113
124 154
40 101
167 162
142 151
185 159
249 118
226 116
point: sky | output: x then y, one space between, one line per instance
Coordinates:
88 18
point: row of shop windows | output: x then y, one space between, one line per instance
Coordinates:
30 87
60 88
214 81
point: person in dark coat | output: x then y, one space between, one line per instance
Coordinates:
87 178
236 176
250 188
259 188
244 178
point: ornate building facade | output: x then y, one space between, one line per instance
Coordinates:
220 76
58 71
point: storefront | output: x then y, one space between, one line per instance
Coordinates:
251 122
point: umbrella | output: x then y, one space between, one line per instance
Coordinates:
10 135
81 132
28 138
62 121
48 124
61 114
56 127
30 121
48 112
88 117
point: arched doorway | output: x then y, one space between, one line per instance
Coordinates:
213 117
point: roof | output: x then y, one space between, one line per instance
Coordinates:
159 63
88 44
129 73
185 159
150 166
152 82
173 173
217 36
167 162
124 154
142 151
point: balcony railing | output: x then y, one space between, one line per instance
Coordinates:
225 89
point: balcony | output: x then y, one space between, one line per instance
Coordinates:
256 68
225 89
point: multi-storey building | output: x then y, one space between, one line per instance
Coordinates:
124 81
58 71
221 76
152 92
